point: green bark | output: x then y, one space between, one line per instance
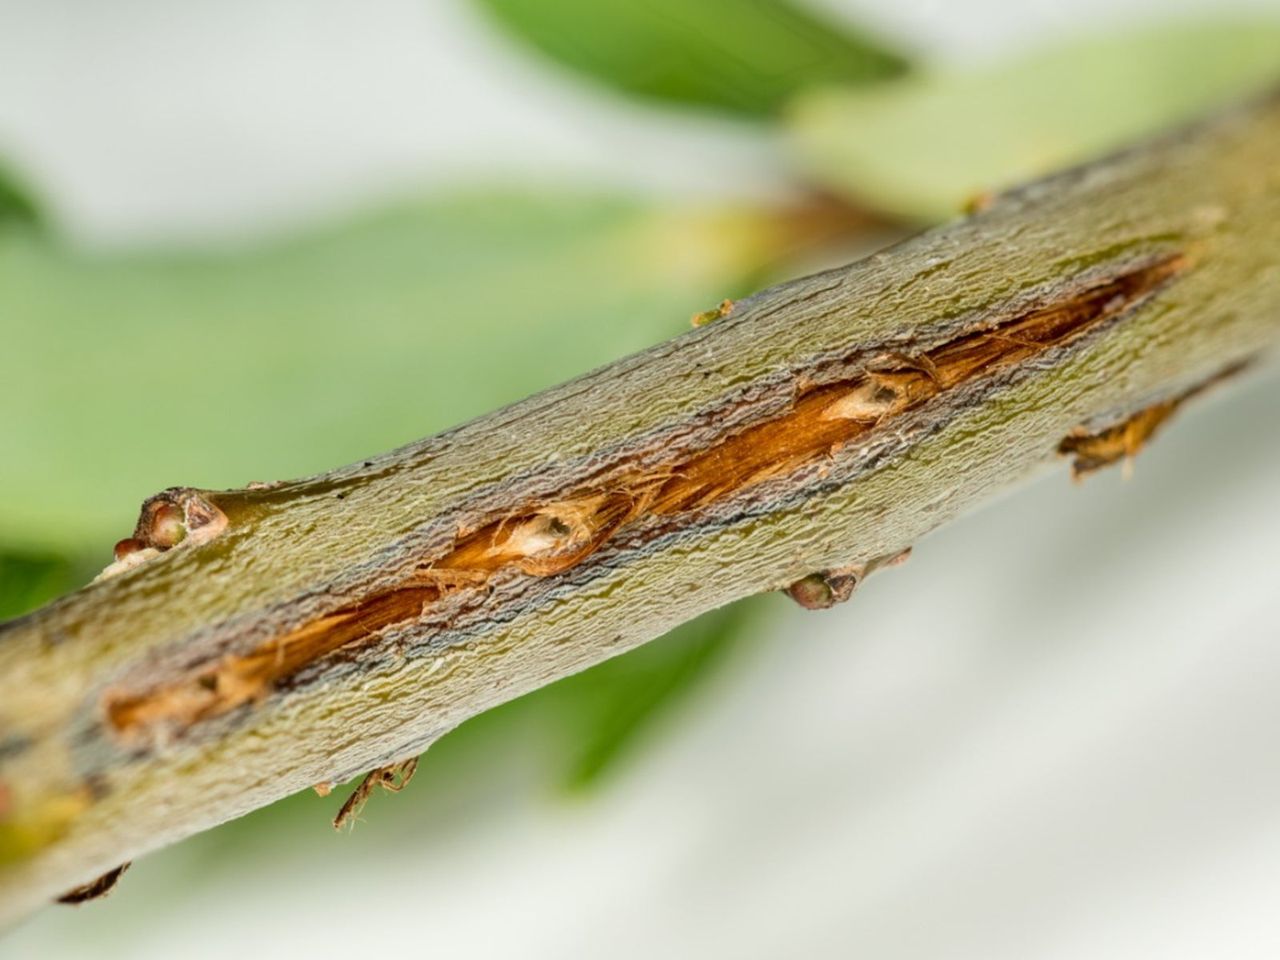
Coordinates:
1187 227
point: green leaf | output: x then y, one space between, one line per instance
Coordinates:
29 579
17 203
744 56
610 707
121 375
924 146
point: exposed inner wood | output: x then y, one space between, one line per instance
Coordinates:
548 538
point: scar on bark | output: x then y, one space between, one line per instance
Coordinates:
718 312
179 515
1093 449
980 202
95 889
826 588
392 778
547 538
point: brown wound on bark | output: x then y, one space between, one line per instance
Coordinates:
1092 449
96 888
882 394
547 538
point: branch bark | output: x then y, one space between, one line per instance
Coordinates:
255 642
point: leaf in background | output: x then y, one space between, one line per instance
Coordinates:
922 147
29 579
746 56
124 374
615 703
17 204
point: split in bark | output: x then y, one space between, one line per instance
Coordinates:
251 643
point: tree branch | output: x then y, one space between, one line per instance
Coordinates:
254 642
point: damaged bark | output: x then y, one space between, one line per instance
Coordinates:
1092 448
250 643
95 889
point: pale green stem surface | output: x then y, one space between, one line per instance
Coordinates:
77 798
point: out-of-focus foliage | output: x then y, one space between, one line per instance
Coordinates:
745 56
124 374
922 146
29 579
17 205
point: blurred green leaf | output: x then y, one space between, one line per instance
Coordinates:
611 706
922 147
746 56
124 374
29 579
17 203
